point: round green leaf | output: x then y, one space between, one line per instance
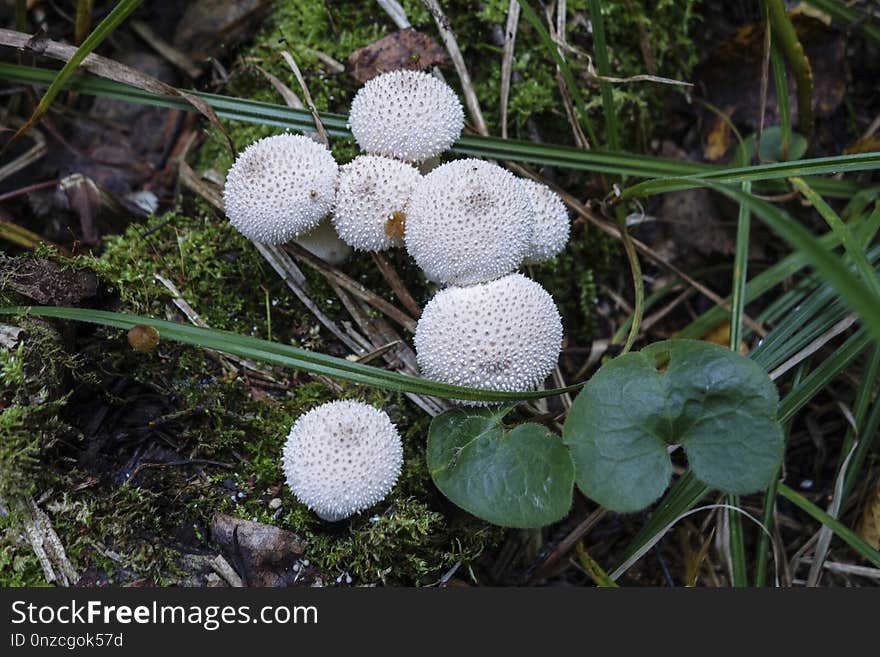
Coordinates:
718 405
518 478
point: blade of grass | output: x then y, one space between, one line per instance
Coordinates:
850 16
737 308
845 533
529 13
786 38
857 295
762 556
850 243
763 172
600 50
83 22
780 83
800 395
280 354
861 407
867 438
119 13
628 164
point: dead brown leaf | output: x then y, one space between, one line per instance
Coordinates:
262 554
404 49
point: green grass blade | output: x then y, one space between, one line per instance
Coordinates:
771 171
740 272
800 395
845 533
868 431
763 551
595 160
858 296
280 354
119 13
780 83
850 17
850 244
600 50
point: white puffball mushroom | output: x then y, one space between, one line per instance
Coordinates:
342 457
280 187
408 115
550 223
469 222
323 242
503 335
372 202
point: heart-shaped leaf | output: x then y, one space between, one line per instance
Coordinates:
518 478
718 405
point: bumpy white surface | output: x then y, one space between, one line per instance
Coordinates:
469 221
371 190
342 457
502 335
409 115
550 224
280 187
323 242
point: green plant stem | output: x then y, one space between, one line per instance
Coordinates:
600 50
83 20
791 48
762 554
845 533
780 83
862 405
738 565
740 273
867 438
638 281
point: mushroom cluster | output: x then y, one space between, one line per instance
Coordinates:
469 224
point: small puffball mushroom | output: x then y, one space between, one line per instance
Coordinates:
323 242
342 457
372 200
469 221
280 187
550 224
409 115
502 335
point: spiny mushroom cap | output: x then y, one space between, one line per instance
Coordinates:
280 187
342 457
323 242
469 221
372 201
502 335
550 224
409 115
